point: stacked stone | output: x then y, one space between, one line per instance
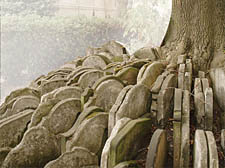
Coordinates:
181 114
205 150
100 110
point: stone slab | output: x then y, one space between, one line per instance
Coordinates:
187 81
205 84
151 73
136 103
199 102
62 116
185 131
181 74
107 93
157 84
200 150
177 104
78 158
89 78
94 62
84 114
95 127
115 108
105 153
52 85
158 148
22 103
170 81
12 130
129 75
176 143
37 148
213 161
209 109
133 137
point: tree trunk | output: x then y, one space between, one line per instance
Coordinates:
196 29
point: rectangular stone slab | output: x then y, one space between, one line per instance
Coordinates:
209 109
177 104
181 59
12 130
176 143
205 84
223 139
200 150
187 81
212 149
133 137
185 131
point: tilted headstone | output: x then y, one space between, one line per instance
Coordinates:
213 159
37 148
136 103
12 130
200 150
105 152
157 150
64 111
130 139
115 108
91 134
79 157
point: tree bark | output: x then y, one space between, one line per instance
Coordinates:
197 28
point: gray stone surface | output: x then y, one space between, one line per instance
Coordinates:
187 81
199 102
12 130
178 101
205 84
158 148
130 139
142 71
181 74
78 158
94 62
157 84
115 108
3 153
93 127
105 152
165 98
209 109
136 103
200 150
106 94
64 111
185 131
21 104
213 161
128 75
42 110
151 74
218 79
84 114
38 147
89 78
146 52
52 85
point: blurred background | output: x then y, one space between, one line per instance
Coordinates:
38 36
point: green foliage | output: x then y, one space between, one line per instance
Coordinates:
48 42
25 7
